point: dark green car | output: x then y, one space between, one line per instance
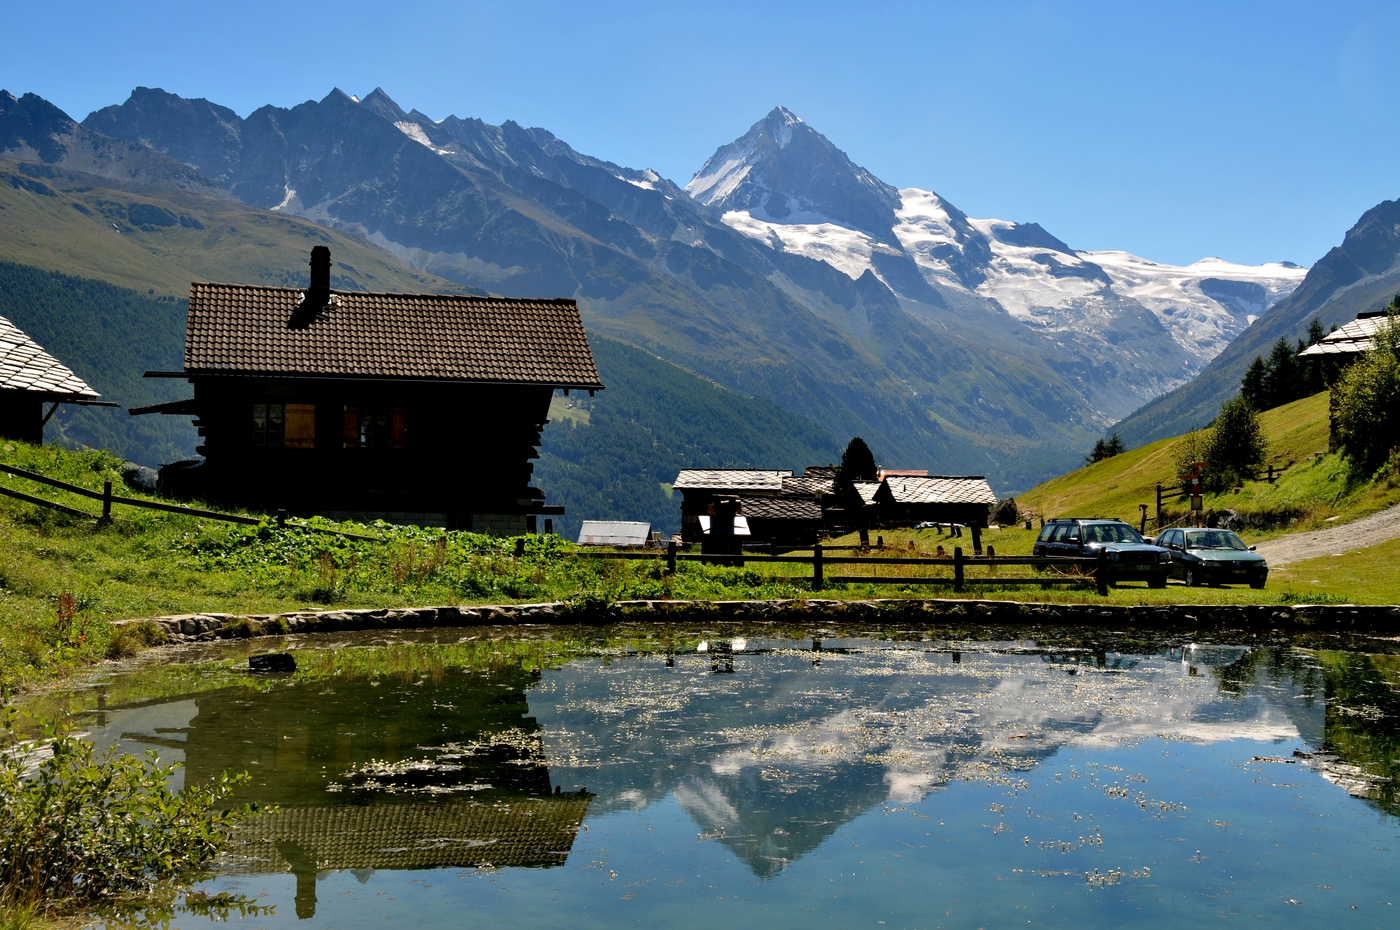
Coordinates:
1213 557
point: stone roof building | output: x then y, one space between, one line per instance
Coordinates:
29 378
414 408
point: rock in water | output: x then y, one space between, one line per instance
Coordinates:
272 662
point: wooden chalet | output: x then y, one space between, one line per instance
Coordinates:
31 378
776 506
412 408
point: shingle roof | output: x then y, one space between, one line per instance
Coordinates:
1354 337
236 328
866 490
940 489
781 508
808 485
25 366
731 479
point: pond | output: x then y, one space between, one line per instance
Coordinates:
730 777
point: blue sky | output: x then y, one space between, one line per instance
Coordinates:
1252 131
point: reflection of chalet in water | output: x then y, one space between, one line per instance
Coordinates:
422 408
30 378
457 776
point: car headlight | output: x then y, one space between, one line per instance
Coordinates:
1113 556
1164 556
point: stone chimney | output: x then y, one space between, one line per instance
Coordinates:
318 295
320 290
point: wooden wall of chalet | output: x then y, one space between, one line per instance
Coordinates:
461 451
21 416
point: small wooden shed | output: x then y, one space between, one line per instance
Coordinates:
31 378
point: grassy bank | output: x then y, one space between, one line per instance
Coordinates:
63 578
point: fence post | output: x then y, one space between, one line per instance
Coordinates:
957 569
281 519
976 539
1159 506
520 547
106 503
1101 572
817 567
671 557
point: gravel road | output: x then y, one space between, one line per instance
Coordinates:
1368 531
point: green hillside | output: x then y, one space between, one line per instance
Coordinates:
1317 489
158 240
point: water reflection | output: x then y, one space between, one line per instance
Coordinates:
768 747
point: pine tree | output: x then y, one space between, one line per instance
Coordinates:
1253 382
858 462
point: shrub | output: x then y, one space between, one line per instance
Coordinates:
1365 402
80 829
1236 447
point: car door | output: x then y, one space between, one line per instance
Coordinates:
1171 541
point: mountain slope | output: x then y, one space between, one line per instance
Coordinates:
519 212
83 203
1363 273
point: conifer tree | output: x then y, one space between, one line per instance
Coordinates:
858 462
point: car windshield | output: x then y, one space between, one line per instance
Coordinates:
1214 539
1111 533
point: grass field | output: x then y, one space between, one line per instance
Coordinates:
63 578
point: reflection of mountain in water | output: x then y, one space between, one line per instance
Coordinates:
773 759
420 771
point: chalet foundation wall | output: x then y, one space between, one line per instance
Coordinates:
816 612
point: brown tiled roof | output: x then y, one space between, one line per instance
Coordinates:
25 366
731 479
236 329
940 489
781 508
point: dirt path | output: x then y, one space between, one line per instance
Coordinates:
1368 531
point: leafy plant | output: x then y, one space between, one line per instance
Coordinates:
1366 401
82 828
1236 447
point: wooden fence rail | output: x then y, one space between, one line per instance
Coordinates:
1072 570
108 499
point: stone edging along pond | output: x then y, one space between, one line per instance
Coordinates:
1329 617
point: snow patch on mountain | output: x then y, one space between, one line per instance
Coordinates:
416 133
1203 305
720 182
846 250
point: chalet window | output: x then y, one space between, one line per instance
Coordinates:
289 425
269 424
374 427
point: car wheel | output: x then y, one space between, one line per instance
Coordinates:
1157 582
1192 580
1257 585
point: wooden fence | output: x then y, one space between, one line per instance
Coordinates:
1063 570
108 499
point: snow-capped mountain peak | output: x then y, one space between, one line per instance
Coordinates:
784 184
783 171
